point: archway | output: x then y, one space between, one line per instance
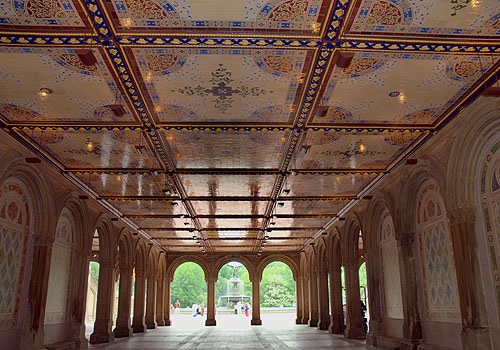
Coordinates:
188 295
278 295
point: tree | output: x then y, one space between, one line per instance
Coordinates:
277 286
189 286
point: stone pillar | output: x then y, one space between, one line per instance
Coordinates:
324 316
373 266
123 327
313 300
80 299
138 324
151 302
336 302
305 300
104 309
210 321
37 293
412 327
160 302
298 299
462 226
354 328
168 298
256 321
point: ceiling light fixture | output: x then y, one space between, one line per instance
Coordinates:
44 92
344 59
86 56
322 111
117 110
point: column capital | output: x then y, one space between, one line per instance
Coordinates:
406 239
460 215
43 241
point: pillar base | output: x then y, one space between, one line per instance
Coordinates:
99 338
160 322
409 344
210 322
256 322
335 329
298 321
323 325
168 323
123 332
151 325
354 333
312 323
139 328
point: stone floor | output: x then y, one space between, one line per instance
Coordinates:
234 332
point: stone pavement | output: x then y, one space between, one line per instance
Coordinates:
234 332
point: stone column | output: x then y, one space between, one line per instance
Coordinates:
160 302
37 293
123 327
462 226
104 309
80 299
373 266
354 328
298 299
168 296
305 300
313 300
412 327
210 321
151 302
256 321
324 316
138 324
336 302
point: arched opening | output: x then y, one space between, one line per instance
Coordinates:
363 294
278 295
92 286
188 296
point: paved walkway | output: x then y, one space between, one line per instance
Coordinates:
234 332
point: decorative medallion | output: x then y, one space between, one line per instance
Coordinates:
282 64
221 90
464 69
389 13
74 61
288 11
423 116
159 63
43 12
13 112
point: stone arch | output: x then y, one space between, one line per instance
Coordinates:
140 256
281 258
350 237
468 152
126 249
252 272
178 261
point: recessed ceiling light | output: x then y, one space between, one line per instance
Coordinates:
394 93
44 92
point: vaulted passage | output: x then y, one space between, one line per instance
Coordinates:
350 147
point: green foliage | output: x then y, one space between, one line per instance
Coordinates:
189 285
277 287
94 270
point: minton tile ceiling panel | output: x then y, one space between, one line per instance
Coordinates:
299 222
311 207
330 185
464 17
229 207
41 14
214 223
92 149
291 15
76 92
124 184
401 88
221 85
228 185
142 206
226 149
356 150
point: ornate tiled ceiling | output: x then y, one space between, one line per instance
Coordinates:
241 123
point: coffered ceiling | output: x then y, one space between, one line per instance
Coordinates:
246 124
